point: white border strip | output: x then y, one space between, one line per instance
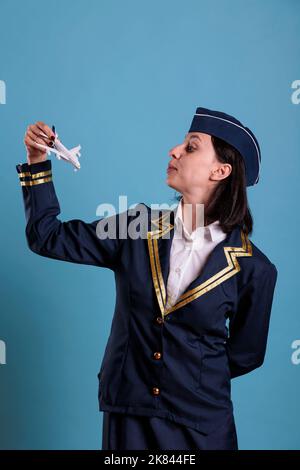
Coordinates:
233 123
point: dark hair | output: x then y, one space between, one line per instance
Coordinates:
229 203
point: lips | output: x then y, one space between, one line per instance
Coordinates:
171 167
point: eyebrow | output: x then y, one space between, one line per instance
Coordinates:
194 136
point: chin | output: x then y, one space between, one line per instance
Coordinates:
172 185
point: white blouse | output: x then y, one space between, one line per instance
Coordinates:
189 252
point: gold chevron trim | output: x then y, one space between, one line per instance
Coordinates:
233 267
161 222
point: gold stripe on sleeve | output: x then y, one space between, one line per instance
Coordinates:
41 174
37 181
25 173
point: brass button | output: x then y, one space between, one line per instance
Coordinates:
155 391
159 320
157 355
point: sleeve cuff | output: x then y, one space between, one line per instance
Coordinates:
36 173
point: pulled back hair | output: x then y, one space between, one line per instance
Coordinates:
229 203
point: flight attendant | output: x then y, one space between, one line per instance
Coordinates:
193 299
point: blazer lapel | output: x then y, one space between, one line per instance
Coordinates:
159 245
220 266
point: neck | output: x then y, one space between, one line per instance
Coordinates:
194 208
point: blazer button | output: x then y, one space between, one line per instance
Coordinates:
157 355
155 391
159 320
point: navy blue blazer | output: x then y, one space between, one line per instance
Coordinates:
174 363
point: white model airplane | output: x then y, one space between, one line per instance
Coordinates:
61 151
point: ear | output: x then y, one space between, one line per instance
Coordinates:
221 172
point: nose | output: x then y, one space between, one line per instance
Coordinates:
175 152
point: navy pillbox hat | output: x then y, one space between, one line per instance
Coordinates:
231 130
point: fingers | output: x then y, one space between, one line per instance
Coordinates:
30 142
36 137
44 128
39 133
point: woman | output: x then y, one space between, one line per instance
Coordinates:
193 302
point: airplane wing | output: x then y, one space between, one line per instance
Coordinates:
64 155
76 150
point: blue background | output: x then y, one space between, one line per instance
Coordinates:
123 79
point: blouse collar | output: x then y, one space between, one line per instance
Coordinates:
210 232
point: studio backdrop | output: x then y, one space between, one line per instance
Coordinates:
122 79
